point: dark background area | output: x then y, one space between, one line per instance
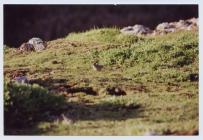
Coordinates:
22 22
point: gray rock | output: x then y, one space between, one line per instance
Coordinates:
162 28
193 24
194 21
141 30
182 25
129 28
38 44
137 30
26 47
165 27
191 27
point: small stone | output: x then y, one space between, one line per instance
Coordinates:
165 27
191 27
194 21
162 26
137 30
38 44
129 28
182 25
26 47
141 30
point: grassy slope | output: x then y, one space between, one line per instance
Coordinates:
159 75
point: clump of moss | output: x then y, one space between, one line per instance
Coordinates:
25 104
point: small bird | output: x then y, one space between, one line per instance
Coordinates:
97 67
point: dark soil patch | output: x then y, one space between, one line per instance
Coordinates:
192 132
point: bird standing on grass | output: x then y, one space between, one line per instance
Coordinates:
97 67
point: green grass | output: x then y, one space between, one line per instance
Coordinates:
103 36
159 75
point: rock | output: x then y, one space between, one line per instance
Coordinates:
165 27
115 91
26 47
193 24
38 44
182 25
190 24
162 28
141 30
21 79
127 30
193 21
137 30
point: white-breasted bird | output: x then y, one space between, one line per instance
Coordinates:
97 67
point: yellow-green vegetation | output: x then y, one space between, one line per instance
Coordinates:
158 73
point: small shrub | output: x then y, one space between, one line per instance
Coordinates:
115 56
181 61
26 104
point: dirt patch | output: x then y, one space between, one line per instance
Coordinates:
86 90
137 88
13 73
191 132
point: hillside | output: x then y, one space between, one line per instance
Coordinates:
158 74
